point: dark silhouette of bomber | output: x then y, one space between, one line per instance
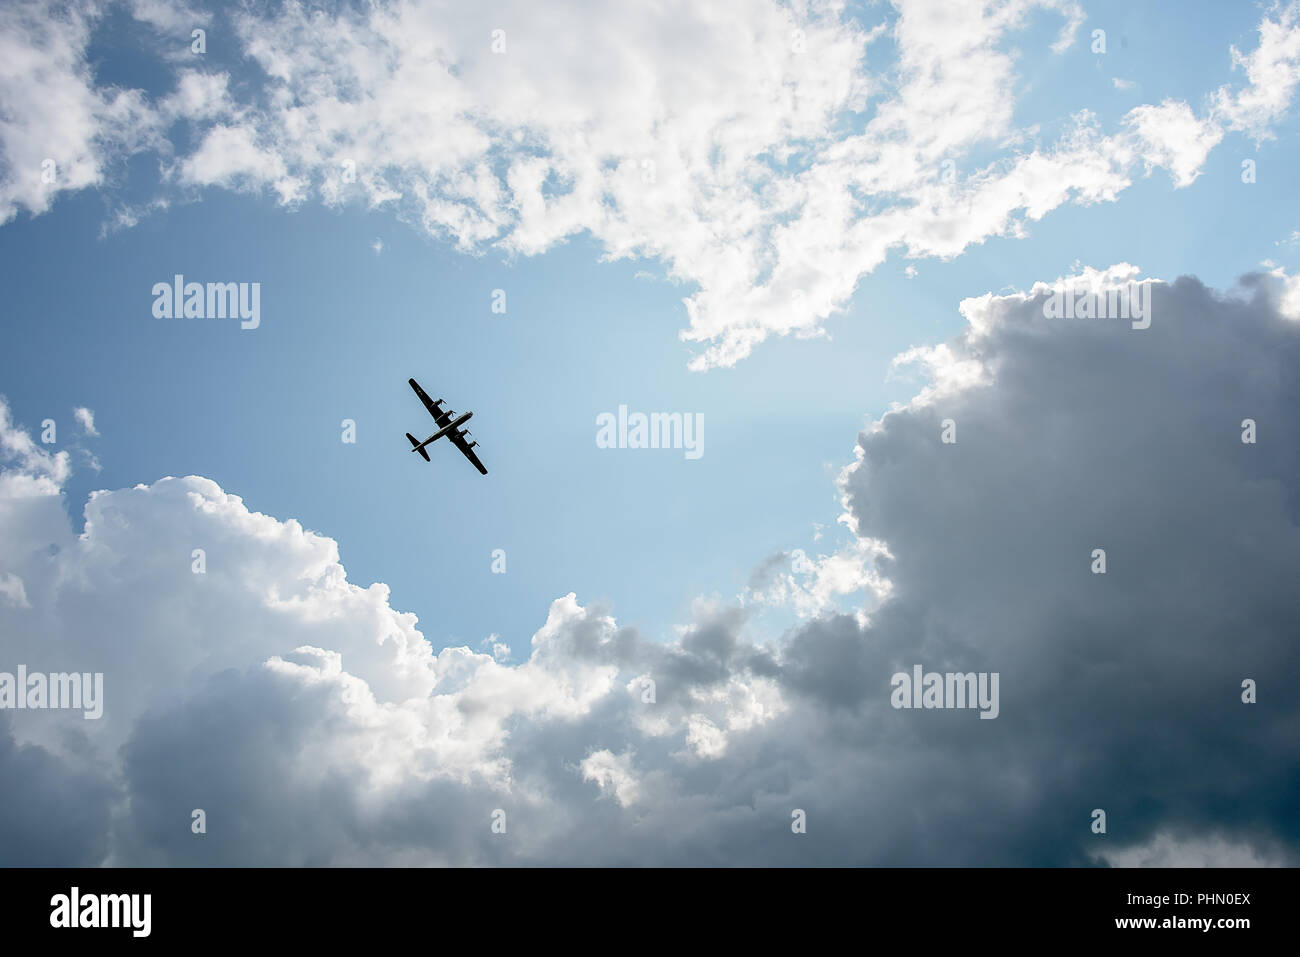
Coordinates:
449 425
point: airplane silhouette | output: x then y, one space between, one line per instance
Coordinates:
449 425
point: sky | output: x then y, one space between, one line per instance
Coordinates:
820 232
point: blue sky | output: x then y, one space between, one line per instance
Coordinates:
362 289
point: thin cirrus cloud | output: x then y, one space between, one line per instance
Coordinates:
771 169
315 724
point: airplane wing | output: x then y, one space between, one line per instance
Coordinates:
458 438
440 415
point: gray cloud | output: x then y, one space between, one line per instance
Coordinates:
54 812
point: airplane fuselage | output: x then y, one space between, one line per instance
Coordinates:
449 427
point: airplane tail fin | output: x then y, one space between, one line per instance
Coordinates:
415 444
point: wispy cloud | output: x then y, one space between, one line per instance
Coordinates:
86 419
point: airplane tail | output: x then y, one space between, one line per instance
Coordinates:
415 444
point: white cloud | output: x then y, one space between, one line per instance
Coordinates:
200 96
58 132
1284 289
811 586
86 419
769 170
499 649
1272 71
1173 137
33 472
229 156
169 16
613 774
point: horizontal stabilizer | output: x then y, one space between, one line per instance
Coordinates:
415 444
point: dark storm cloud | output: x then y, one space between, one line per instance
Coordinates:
1120 691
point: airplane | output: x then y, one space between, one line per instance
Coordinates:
449 425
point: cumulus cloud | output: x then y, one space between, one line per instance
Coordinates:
315 724
785 156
